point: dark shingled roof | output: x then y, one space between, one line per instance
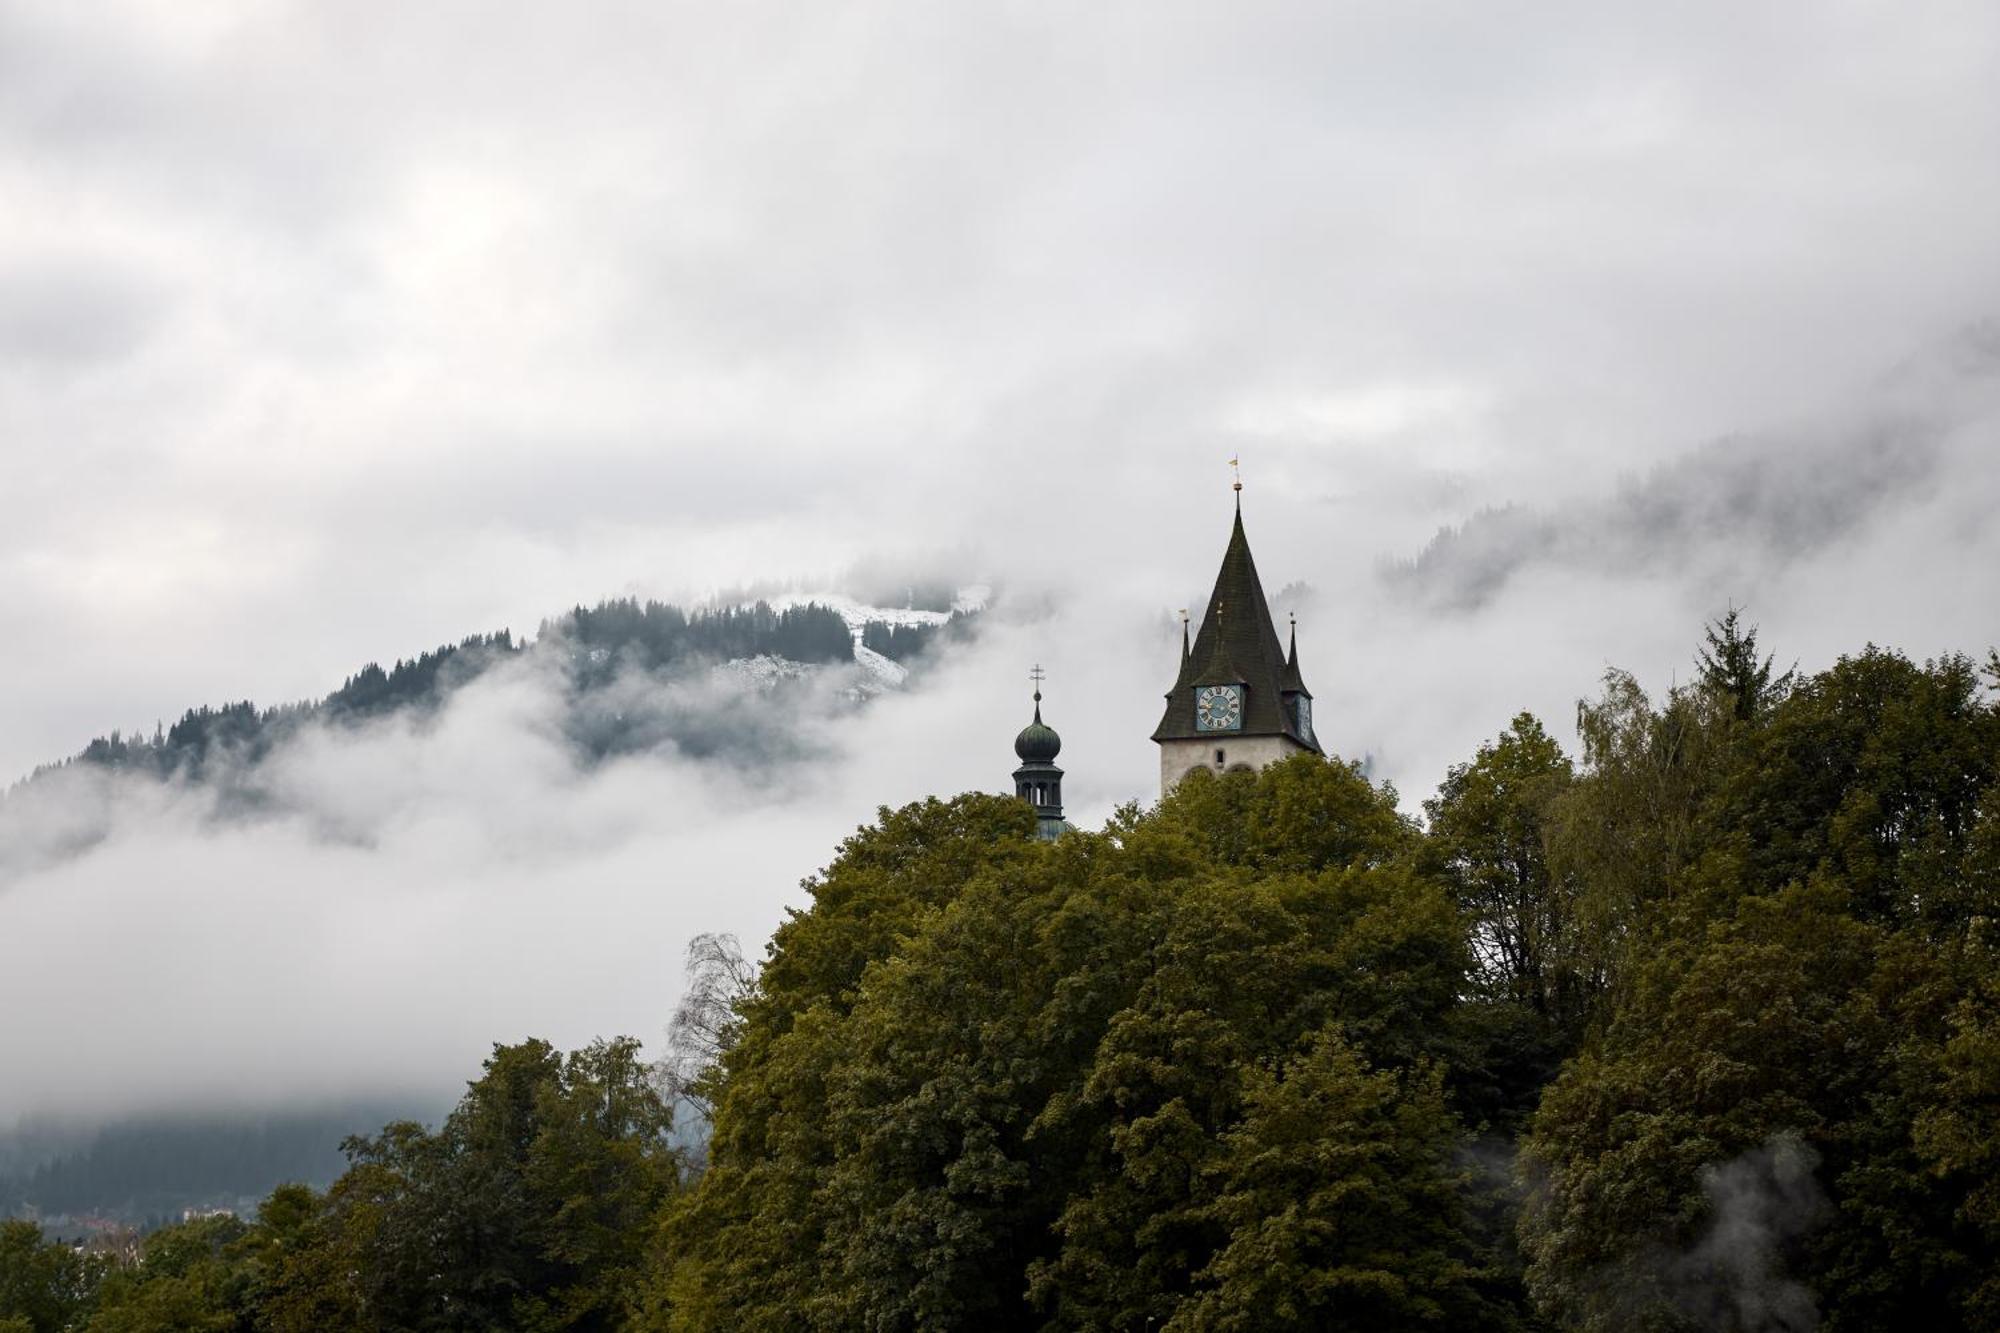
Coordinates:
1237 636
1038 742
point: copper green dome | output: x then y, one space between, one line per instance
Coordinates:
1037 744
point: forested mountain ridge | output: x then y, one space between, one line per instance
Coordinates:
1697 1030
740 684
729 683
154 1168
594 644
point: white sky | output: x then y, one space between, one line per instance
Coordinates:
331 332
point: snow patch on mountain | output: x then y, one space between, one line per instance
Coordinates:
857 614
761 672
878 673
886 670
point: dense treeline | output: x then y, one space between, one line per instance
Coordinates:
245 733
528 1207
902 643
154 1167
1699 1029
624 632
595 645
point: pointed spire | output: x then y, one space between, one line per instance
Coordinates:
1237 640
1293 682
1221 667
1185 651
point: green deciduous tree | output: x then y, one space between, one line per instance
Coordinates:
1874 771
1540 969
1488 828
1799 1051
988 1082
530 1207
45 1285
1343 1205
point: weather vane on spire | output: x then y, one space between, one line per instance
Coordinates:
1236 471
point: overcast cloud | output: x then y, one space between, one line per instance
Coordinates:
331 332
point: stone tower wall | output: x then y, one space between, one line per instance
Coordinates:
1180 757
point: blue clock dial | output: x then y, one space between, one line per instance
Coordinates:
1218 708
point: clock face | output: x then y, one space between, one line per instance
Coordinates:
1218 708
1305 716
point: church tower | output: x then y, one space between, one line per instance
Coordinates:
1038 781
1239 701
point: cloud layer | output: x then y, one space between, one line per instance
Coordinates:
330 332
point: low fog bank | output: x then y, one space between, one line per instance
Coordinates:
418 890
144 1169
756 719
1866 522
1757 503
409 891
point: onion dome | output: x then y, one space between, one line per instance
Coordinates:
1038 744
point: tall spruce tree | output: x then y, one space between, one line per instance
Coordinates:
1729 666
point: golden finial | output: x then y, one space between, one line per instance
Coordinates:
1236 471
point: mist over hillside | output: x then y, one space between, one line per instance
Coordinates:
147 1170
504 837
508 836
732 684
1751 507
741 693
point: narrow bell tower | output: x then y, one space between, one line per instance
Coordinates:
1038 781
